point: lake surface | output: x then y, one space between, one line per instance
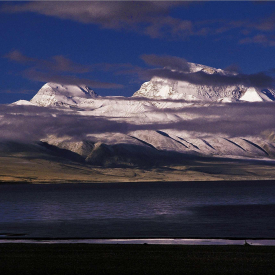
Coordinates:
139 210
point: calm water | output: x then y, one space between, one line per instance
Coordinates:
139 210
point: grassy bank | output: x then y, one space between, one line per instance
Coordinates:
20 168
134 259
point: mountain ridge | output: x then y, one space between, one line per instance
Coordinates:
158 88
163 121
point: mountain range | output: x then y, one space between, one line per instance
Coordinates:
167 122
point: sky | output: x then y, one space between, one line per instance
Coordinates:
113 47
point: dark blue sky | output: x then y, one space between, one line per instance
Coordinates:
101 43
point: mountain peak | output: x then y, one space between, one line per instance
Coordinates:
71 90
194 67
62 95
169 88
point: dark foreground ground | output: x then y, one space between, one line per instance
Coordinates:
134 259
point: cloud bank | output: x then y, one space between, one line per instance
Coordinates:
31 123
151 18
60 69
147 17
176 68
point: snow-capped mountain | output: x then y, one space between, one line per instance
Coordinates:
164 88
53 94
166 121
159 88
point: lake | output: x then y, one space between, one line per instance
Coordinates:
138 210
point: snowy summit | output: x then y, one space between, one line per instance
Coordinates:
164 88
53 94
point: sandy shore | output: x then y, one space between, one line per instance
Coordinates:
135 259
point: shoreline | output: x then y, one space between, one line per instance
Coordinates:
53 182
151 241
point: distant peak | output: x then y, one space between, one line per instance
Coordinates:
166 87
194 67
62 95
71 90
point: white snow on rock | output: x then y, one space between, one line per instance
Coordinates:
22 102
254 95
158 88
163 88
53 94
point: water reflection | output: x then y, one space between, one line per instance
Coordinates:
217 209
